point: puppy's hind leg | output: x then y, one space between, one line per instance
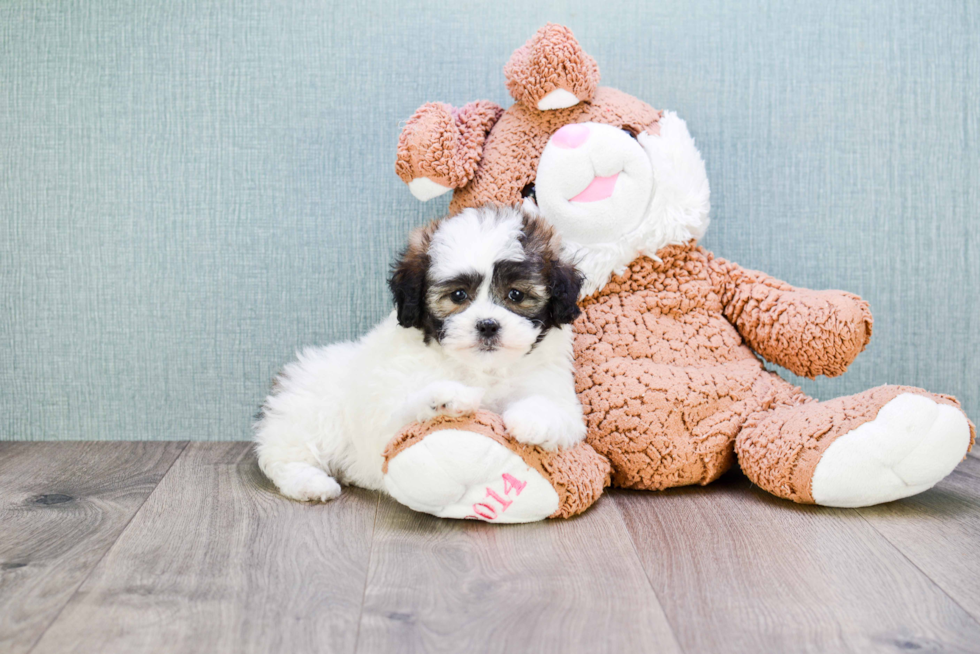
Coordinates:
293 467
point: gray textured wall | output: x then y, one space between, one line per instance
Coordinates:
190 190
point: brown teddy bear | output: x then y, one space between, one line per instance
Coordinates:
669 345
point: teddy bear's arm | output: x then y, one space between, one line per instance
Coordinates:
808 332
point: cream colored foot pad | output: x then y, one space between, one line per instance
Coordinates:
461 474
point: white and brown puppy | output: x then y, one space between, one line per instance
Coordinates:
483 303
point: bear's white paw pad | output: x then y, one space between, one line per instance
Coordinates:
911 445
454 473
449 399
307 483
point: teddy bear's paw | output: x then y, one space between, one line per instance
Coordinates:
912 444
455 473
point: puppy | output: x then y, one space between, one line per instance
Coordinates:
483 306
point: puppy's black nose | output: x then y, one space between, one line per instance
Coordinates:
488 327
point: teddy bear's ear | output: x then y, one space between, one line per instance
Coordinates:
441 146
551 71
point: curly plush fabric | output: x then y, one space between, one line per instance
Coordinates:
668 383
444 143
780 448
808 332
551 59
577 474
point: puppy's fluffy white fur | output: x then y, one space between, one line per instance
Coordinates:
334 409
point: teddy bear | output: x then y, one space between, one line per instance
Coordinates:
670 345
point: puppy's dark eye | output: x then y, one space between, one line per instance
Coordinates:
630 131
515 296
458 297
528 192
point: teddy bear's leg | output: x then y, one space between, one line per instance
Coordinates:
877 446
655 454
470 468
663 427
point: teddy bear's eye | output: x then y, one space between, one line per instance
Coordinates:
528 192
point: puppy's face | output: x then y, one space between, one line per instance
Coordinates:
486 284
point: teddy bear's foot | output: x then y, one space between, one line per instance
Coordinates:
469 468
877 446
455 473
912 444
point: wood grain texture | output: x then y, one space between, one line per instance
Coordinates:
217 562
99 554
939 532
555 586
61 507
740 571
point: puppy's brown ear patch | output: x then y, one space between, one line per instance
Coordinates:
408 278
540 239
564 280
551 71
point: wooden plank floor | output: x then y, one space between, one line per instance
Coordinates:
176 547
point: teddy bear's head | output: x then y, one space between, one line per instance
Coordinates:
615 176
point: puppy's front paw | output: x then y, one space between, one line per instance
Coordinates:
449 398
306 483
539 421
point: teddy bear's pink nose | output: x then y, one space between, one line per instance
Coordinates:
571 136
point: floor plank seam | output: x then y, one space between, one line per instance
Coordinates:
921 571
639 561
367 573
108 549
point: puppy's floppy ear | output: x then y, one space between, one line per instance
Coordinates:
408 278
566 282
